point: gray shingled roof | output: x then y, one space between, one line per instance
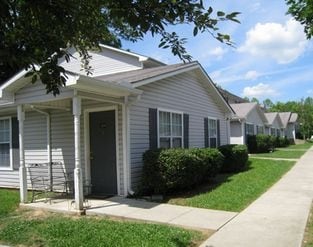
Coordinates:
243 109
293 118
230 97
285 116
143 74
270 116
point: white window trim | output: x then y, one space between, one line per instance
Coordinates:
10 168
260 126
249 123
212 118
171 137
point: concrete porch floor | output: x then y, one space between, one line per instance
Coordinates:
142 210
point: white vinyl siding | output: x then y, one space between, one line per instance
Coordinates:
183 93
212 131
104 63
170 129
5 143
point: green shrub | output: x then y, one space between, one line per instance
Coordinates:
235 158
281 142
262 143
212 160
171 170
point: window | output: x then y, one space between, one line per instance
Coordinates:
170 129
5 142
273 131
278 132
249 129
259 130
212 131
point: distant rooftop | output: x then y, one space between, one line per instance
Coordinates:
231 98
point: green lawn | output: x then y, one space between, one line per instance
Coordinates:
31 228
292 154
9 200
235 192
306 145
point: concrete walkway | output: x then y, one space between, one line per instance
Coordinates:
278 218
272 158
188 217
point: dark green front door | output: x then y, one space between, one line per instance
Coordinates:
103 152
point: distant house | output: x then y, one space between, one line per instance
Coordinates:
231 98
249 120
275 124
101 124
289 121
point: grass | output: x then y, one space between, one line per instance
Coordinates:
35 228
306 145
9 200
281 154
308 235
234 192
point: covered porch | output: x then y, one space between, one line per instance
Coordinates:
85 128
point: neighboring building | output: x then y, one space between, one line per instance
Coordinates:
289 121
231 98
249 120
275 125
100 125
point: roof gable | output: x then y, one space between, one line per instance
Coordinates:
143 77
273 117
242 110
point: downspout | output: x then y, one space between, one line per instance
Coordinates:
127 104
49 152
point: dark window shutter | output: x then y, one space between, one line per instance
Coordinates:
15 138
206 132
186 131
245 133
153 128
15 143
218 133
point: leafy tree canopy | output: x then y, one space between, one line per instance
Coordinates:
37 32
302 11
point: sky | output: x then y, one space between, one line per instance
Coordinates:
272 57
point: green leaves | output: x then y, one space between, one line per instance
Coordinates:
302 11
40 32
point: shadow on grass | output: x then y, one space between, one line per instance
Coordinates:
206 187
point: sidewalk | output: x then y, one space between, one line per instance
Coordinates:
189 217
278 218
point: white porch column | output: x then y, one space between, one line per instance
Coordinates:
22 170
78 180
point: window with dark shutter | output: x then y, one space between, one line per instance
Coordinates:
153 128
218 132
186 131
206 132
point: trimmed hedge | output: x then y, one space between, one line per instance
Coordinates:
236 158
261 143
265 143
281 142
169 170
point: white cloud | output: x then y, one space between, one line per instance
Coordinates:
251 75
310 91
284 43
218 52
259 90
